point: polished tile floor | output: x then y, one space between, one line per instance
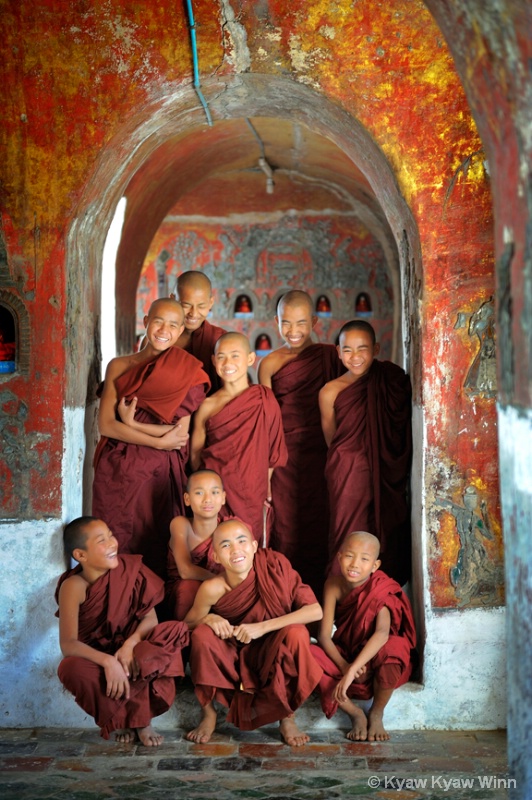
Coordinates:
76 764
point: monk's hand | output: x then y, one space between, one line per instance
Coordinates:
116 678
127 411
246 632
221 627
174 439
126 658
340 691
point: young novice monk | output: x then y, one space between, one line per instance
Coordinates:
194 292
251 620
190 559
296 372
238 432
119 663
366 420
143 419
371 651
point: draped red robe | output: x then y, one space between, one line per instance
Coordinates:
299 489
201 346
243 441
368 465
180 592
269 678
138 490
355 620
111 612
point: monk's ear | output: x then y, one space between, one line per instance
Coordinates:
146 320
314 321
339 351
376 565
255 545
186 498
79 555
251 358
376 349
211 302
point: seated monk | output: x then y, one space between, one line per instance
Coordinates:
366 419
144 417
372 650
190 559
238 432
296 372
118 661
250 647
194 292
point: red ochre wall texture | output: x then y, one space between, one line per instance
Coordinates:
74 74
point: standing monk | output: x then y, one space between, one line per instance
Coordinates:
366 419
144 418
238 433
194 292
250 645
296 372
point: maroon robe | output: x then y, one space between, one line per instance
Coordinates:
299 489
111 612
138 490
368 465
269 678
355 620
201 346
243 441
180 592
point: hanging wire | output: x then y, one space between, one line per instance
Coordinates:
192 26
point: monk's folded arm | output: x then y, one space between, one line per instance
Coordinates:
375 642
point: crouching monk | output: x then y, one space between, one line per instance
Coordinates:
250 647
119 662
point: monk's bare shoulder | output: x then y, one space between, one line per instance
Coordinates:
73 590
117 366
213 589
273 362
330 391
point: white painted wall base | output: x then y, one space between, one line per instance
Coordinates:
464 662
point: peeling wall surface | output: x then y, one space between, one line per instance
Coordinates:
435 153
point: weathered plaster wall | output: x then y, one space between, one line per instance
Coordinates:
83 83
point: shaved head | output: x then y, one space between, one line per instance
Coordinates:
194 279
230 526
358 325
201 473
362 536
225 338
295 298
166 302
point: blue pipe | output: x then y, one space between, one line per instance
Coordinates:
192 26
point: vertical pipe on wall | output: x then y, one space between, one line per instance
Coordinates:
192 26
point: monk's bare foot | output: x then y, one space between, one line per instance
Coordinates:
126 736
359 730
376 732
149 737
206 728
291 734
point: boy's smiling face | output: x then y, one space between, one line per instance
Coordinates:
295 324
357 351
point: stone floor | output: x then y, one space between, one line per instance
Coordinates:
76 764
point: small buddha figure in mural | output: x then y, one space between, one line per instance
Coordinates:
363 305
474 576
262 343
482 375
323 305
243 305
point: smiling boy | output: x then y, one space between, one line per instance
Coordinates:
371 651
144 416
238 433
199 336
296 372
366 421
118 661
251 620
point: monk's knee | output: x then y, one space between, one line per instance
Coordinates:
297 636
201 636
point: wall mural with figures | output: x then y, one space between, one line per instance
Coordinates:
335 259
